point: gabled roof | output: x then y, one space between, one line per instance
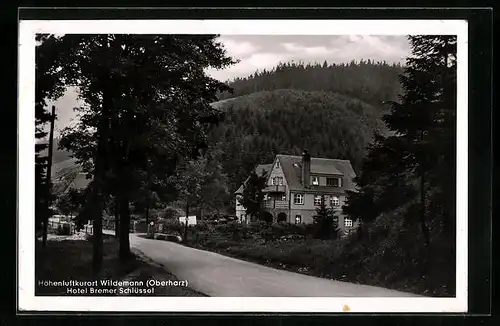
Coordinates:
292 168
260 170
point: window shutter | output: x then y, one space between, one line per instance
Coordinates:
340 182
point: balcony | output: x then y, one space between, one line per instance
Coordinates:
274 189
274 204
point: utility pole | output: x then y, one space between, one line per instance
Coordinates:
49 172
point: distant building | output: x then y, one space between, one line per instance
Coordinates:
191 220
296 186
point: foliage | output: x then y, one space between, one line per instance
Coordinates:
172 226
418 160
134 122
171 213
71 202
408 179
253 194
48 86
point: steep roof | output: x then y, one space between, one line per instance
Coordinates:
292 167
260 170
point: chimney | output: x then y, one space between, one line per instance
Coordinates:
306 169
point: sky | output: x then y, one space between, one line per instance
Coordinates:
258 52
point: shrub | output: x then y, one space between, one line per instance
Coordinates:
172 226
202 226
267 234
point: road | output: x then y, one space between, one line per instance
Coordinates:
220 276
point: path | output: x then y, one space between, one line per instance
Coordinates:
218 275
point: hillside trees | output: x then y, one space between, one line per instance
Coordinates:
260 125
135 120
369 81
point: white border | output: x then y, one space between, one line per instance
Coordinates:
27 31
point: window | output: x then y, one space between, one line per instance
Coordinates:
298 219
277 181
334 201
277 164
317 200
315 181
239 198
334 182
298 199
347 222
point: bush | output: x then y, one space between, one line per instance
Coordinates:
63 229
172 226
267 234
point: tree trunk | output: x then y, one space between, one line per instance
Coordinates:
147 207
124 227
49 176
187 220
425 230
117 218
100 169
97 227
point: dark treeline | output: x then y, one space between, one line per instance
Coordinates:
367 80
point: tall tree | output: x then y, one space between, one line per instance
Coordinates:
48 86
253 194
425 119
418 158
325 222
136 115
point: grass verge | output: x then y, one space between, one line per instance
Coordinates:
72 260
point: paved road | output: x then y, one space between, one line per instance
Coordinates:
220 276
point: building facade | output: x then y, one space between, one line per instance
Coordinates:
296 186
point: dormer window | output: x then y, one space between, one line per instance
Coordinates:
334 182
315 181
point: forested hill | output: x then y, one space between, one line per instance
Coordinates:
260 125
369 81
